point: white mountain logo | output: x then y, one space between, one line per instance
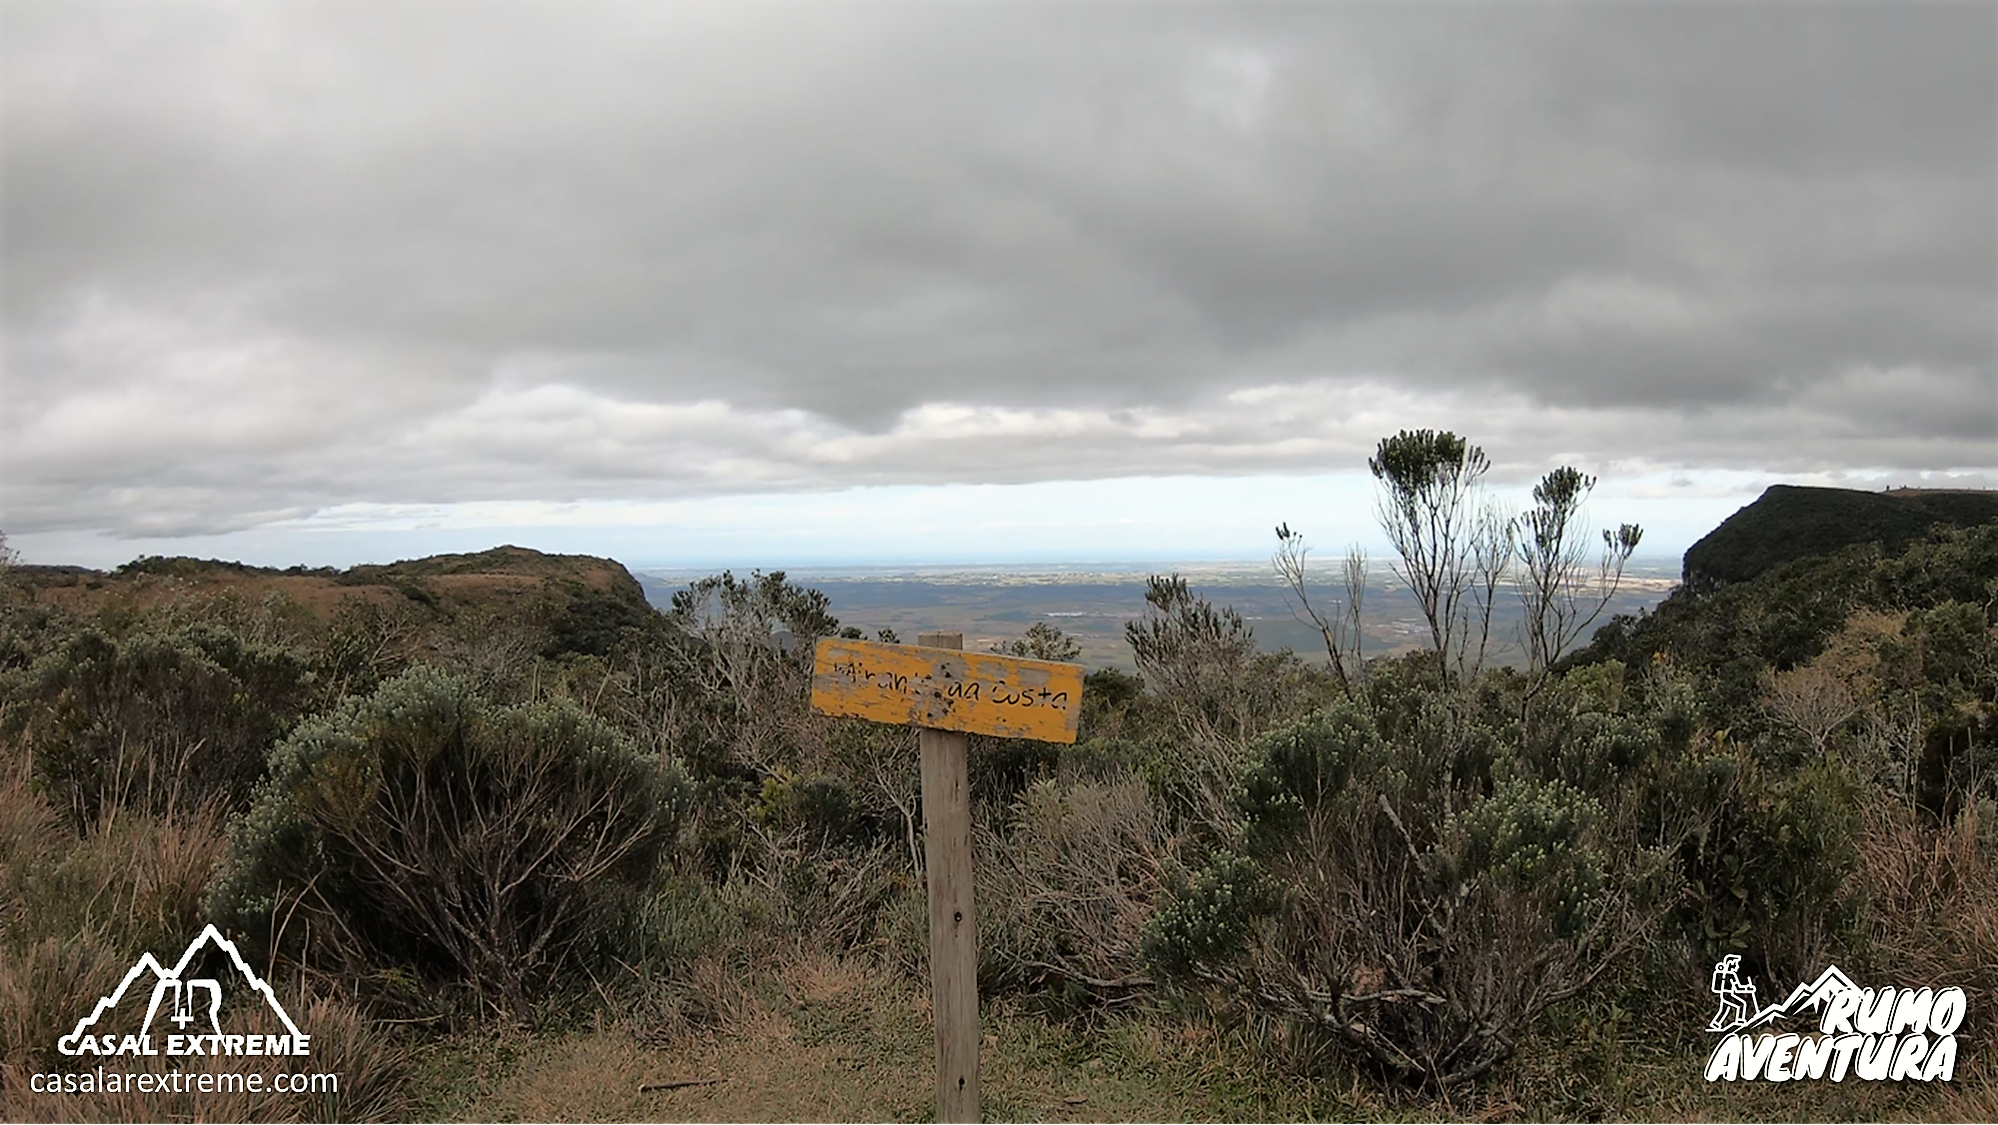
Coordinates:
192 1008
1812 997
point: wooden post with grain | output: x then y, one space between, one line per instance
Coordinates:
948 693
953 917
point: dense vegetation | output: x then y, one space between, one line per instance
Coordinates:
496 790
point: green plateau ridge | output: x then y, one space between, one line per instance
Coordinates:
1792 521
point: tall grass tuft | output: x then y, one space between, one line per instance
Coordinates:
1932 916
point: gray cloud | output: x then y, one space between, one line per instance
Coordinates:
266 259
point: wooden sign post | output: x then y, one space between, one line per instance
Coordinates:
949 693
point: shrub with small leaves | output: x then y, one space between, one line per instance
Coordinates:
1386 897
1208 921
156 721
823 806
421 827
1304 765
1443 741
1535 836
1767 855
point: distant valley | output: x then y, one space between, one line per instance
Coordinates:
995 604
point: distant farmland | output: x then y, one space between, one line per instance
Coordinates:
1091 602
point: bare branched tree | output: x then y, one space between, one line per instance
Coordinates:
1448 538
1560 597
1492 535
1344 641
1354 571
1813 699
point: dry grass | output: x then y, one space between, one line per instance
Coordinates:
130 878
44 990
31 831
136 880
770 1068
297 609
1932 914
819 1038
1967 1102
149 593
832 1039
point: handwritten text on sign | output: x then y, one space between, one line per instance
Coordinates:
946 689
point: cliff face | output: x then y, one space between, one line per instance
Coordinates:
1794 521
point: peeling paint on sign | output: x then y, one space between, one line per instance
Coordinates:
977 693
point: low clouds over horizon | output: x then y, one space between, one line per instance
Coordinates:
267 260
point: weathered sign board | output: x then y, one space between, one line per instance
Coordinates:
946 689
949 693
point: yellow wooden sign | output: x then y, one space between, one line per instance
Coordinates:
946 689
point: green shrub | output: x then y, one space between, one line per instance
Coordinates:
1111 703
823 807
366 643
1444 741
1386 902
420 827
595 622
1102 759
1536 836
733 669
1000 769
1208 921
1766 856
1590 731
1951 564
1302 766
28 630
157 721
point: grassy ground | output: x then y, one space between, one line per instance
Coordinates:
831 1040
828 1040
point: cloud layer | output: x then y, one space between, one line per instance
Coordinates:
268 260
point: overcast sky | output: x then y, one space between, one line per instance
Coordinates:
691 282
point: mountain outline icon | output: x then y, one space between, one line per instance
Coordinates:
182 989
1814 996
